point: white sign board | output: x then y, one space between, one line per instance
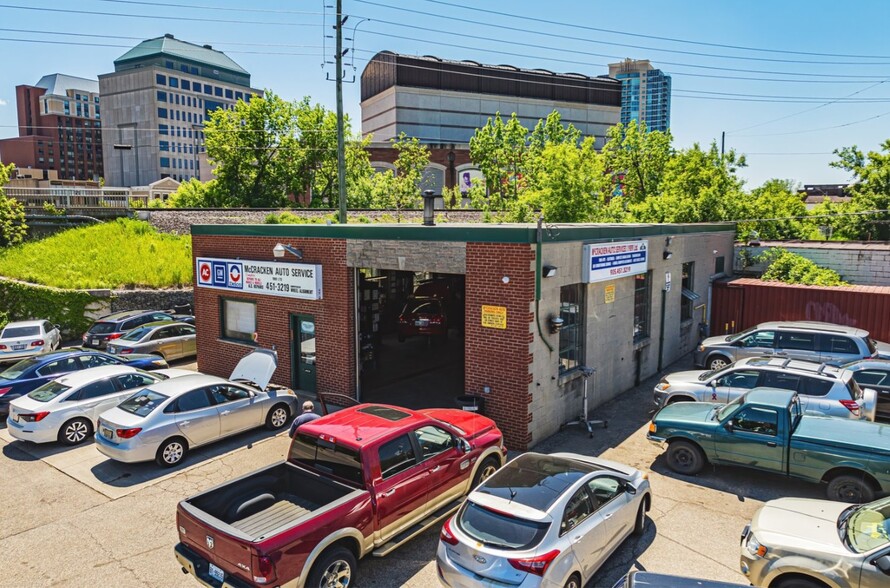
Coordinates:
667 281
291 280
608 261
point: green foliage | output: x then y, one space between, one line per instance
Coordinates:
639 158
4 319
870 190
66 308
197 194
12 213
791 268
289 218
400 190
775 199
53 210
123 253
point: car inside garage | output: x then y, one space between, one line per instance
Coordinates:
411 333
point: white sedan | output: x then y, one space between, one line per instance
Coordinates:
26 338
165 420
543 521
66 409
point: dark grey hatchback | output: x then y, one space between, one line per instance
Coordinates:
640 579
113 326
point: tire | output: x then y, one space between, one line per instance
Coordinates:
574 581
685 457
336 568
674 399
716 362
640 522
277 417
799 582
488 466
75 431
853 489
171 452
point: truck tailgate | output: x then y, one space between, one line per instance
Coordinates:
232 553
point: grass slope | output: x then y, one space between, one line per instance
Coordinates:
120 254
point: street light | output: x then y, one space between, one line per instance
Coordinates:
280 249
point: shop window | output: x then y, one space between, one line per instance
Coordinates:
238 320
642 305
571 335
688 295
161 79
719 265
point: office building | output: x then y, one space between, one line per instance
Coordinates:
59 128
645 93
156 103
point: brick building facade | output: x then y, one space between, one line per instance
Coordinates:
526 371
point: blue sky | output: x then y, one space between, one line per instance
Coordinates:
822 106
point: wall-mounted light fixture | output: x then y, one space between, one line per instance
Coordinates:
280 249
548 271
555 324
667 254
506 279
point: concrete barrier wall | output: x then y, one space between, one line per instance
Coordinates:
861 263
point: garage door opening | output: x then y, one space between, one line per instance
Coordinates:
411 333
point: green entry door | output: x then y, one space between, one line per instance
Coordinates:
303 333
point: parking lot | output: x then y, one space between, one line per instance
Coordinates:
73 518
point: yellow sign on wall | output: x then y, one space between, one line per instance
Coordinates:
494 317
610 294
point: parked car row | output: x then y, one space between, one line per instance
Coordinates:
114 326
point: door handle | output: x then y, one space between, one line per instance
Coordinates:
435 469
577 539
225 412
184 423
771 444
389 492
607 515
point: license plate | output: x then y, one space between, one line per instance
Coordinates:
18 347
112 350
95 341
422 323
217 573
107 433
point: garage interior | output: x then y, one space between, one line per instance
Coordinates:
411 337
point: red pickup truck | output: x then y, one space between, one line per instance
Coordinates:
362 480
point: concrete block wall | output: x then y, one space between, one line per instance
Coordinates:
443 257
866 264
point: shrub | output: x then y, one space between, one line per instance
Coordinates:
791 268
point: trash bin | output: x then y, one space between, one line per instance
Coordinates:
471 403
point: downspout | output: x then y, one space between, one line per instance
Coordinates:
661 330
538 247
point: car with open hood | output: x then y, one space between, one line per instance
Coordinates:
164 421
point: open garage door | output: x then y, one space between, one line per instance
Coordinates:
411 332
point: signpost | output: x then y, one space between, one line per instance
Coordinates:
609 261
291 280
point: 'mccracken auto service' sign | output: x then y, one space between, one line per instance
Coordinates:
292 280
608 261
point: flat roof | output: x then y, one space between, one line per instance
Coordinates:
470 233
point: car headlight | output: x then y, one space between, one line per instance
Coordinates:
701 348
662 386
754 547
159 363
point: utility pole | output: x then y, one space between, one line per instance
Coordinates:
722 143
341 149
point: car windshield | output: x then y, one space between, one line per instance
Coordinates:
427 306
866 527
852 386
143 403
498 530
48 391
17 369
136 334
103 328
737 336
727 409
16 332
329 457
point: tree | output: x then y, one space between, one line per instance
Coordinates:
498 149
401 190
775 199
638 157
568 186
12 213
792 268
195 194
870 190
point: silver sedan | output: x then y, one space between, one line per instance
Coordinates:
543 521
170 340
165 420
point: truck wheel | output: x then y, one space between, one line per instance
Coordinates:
336 568
717 362
852 489
75 431
685 458
799 583
277 417
488 466
573 582
171 452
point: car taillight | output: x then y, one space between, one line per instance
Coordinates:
115 336
128 433
402 318
5 390
535 565
852 406
125 351
84 337
265 569
2 347
436 320
37 343
34 417
446 535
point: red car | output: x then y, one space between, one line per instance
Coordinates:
362 480
423 316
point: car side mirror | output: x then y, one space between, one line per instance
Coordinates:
729 425
57 327
464 446
883 563
629 488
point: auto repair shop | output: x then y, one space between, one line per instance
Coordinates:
516 316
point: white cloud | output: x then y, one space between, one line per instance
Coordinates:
3 102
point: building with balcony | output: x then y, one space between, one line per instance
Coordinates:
645 93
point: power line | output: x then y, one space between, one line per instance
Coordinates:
196 49
206 7
527 18
849 124
133 38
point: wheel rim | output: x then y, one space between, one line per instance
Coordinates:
716 364
337 575
683 458
849 493
279 417
173 452
76 432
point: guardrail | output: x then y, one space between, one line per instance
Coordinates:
79 198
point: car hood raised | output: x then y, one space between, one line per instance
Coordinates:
800 524
257 367
686 412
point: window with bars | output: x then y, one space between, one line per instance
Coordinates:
642 305
687 298
571 335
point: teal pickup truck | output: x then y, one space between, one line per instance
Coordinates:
765 430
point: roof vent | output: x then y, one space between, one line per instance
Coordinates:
169 36
208 47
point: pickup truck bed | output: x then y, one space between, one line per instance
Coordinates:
265 502
859 436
